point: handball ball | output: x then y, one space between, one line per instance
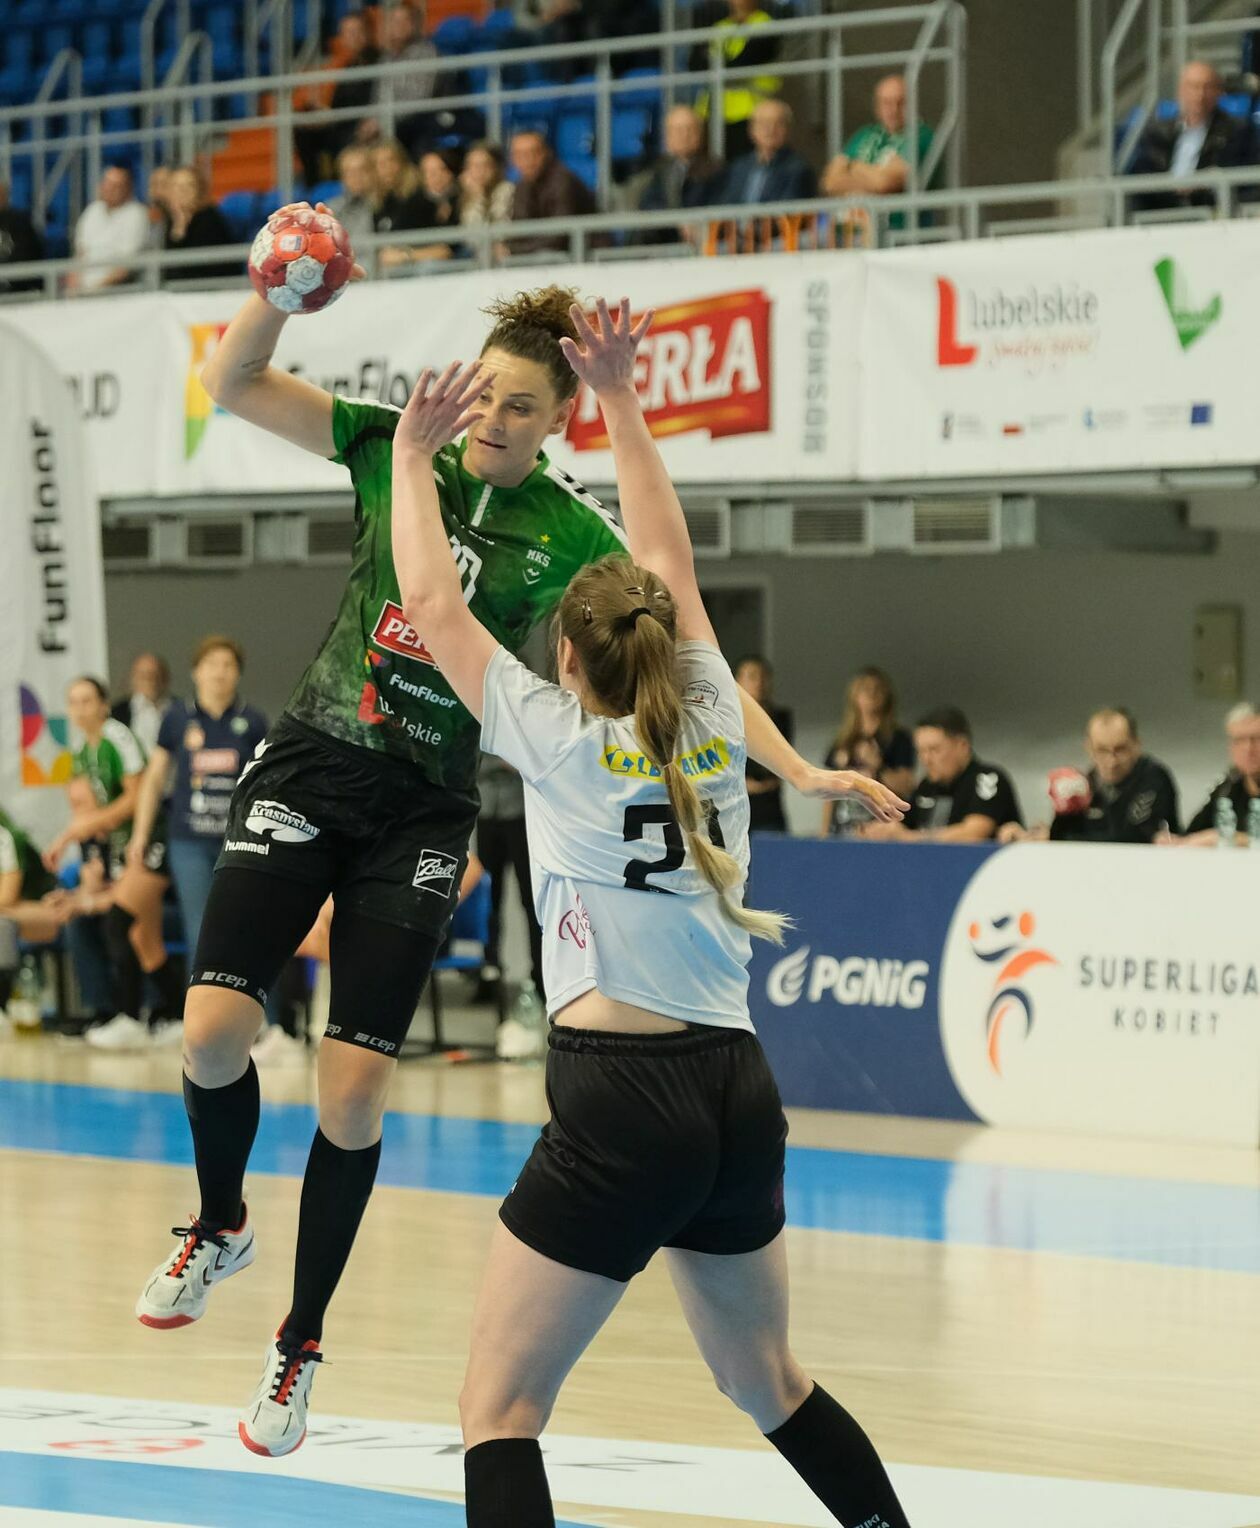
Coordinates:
301 259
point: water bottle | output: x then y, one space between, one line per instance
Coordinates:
523 1034
26 1006
1226 822
1253 823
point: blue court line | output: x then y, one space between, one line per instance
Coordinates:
155 1493
1173 1224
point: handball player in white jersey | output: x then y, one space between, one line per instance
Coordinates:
666 1128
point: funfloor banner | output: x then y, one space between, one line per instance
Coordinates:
52 617
1134 348
1108 989
749 372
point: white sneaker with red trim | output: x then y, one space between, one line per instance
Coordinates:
274 1422
177 1290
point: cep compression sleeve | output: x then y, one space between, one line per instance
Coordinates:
505 1485
224 1122
838 1462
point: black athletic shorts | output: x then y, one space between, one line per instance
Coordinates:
673 1140
367 828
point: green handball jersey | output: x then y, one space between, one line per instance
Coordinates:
373 682
18 853
106 765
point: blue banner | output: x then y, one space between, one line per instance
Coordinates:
848 1011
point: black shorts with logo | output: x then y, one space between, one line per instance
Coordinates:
368 829
673 1140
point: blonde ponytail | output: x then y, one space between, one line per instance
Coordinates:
622 621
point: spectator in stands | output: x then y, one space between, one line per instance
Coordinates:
485 192
397 181
739 100
869 739
876 159
148 698
355 207
1239 786
109 229
403 43
765 790
19 242
433 204
959 799
545 189
773 171
592 21
157 193
685 177
1126 798
318 147
1201 137
195 223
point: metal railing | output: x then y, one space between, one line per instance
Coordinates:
178 113
881 222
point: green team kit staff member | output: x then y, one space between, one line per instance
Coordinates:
366 790
24 881
112 761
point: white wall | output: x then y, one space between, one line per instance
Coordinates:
1027 643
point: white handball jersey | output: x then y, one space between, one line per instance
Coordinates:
602 840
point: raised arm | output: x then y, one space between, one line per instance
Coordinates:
428 579
239 377
655 526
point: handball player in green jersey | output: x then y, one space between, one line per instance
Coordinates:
365 790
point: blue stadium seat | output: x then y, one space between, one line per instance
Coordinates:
630 128
499 30
529 116
575 135
119 119
98 75
96 40
645 95
323 191
1237 104
53 39
240 210
229 58
17 49
457 34
584 167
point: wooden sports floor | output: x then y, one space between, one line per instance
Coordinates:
1038 1331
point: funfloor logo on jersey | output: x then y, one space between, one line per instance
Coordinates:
1039 326
46 757
1130 1002
851 981
705 365
199 406
1191 323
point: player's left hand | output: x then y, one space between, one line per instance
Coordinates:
605 358
848 785
440 410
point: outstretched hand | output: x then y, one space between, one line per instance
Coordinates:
440 410
848 785
605 358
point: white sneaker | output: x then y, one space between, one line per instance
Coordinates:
274 1422
276 1048
515 1041
177 1290
121 1033
167 1034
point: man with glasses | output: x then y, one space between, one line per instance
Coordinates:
1131 798
1240 784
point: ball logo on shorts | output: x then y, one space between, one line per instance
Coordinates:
435 872
272 819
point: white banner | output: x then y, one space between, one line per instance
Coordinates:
1072 352
750 372
1107 989
53 626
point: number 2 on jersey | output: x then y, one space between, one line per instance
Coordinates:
638 818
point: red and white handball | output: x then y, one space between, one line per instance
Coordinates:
301 260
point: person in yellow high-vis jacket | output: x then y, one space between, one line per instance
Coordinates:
740 97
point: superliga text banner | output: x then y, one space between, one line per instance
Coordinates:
53 626
749 373
1134 348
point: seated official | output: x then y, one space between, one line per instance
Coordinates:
1126 798
1201 137
773 171
960 800
1239 786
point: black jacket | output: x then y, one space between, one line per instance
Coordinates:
19 242
1133 812
1230 142
789 179
699 186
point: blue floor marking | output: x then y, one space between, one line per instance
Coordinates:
965 1203
155 1493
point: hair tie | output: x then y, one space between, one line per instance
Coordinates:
586 612
634 615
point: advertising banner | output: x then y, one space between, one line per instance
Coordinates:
750 371
53 623
1133 348
1102 989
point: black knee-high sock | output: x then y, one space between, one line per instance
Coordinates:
335 1192
224 1122
169 981
838 1462
124 968
505 1485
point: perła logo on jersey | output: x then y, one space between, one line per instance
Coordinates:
855 981
396 634
272 819
704 366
